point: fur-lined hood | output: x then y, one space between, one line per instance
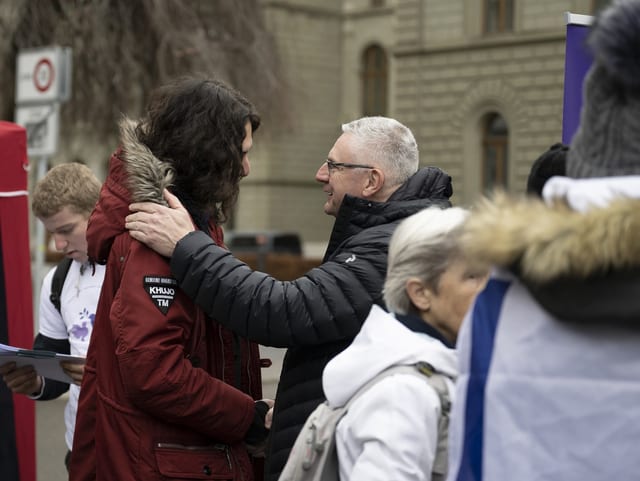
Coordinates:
148 176
578 255
135 175
548 242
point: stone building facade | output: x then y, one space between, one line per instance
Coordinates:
480 83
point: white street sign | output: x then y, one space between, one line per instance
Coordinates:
43 124
43 75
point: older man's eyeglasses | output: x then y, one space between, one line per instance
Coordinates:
333 166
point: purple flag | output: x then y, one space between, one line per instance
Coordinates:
577 61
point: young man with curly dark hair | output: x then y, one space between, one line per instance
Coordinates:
168 393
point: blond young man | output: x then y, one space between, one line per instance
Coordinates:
63 201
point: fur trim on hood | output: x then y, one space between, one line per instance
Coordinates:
148 176
135 175
548 242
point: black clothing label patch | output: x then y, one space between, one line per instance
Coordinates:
162 291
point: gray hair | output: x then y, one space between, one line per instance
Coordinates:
422 246
387 144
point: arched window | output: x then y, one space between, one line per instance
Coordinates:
495 152
375 73
498 16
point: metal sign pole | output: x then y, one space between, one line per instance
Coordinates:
38 268
43 81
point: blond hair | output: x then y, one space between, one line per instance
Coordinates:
71 185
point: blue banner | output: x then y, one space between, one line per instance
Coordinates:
577 61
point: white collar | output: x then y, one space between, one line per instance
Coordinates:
585 194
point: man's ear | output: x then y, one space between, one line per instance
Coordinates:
419 294
375 182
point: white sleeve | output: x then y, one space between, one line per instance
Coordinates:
38 395
391 432
50 322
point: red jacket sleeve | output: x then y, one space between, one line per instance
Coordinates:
156 372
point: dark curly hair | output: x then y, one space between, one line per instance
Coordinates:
198 126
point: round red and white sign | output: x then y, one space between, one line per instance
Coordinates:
43 74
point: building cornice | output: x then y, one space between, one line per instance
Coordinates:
496 41
292 7
369 12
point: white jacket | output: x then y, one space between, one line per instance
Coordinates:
390 433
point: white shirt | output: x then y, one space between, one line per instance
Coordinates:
78 303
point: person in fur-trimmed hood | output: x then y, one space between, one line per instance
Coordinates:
167 392
549 354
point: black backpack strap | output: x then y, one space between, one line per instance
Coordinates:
57 282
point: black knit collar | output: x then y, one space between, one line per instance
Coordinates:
200 219
415 324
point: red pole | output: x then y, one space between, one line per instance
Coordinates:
17 317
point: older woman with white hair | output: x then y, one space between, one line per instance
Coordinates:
392 430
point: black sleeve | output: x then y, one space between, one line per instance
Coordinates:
327 304
52 389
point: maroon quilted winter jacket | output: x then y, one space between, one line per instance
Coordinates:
158 400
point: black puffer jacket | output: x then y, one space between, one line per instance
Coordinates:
315 316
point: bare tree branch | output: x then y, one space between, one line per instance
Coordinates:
122 49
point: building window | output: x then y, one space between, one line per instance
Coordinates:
599 5
498 16
495 152
374 81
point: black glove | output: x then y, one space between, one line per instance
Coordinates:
257 433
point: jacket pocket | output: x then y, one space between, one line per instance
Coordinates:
177 461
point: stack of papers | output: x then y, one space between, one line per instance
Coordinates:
46 363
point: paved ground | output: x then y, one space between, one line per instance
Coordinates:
50 444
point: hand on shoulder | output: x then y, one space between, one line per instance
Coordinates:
158 226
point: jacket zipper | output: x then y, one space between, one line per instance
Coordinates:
217 447
248 368
222 352
237 361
